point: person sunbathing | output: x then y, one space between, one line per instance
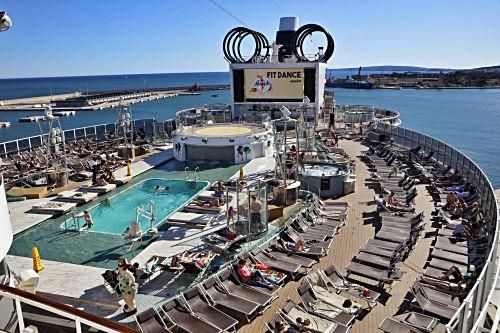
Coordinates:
457 276
102 181
298 246
253 278
451 201
446 285
109 175
207 203
151 265
199 259
464 230
394 202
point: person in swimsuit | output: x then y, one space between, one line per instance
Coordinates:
298 246
88 219
253 278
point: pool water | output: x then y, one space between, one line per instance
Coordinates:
116 216
318 170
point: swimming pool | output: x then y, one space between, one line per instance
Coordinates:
116 216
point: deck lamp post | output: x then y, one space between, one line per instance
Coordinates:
5 22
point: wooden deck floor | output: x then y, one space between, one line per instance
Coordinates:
353 235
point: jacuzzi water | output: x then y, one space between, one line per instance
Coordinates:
117 216
325 170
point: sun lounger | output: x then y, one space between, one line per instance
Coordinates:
305 263
391 217
304 227
291 311
439 309
209 195
280 265
150 322
180 316
97 189
53 208
316 306
403 230
445 265
392 237
190 218
290 256
463 250
386 244
309 236
234 306
375 260
313 251
379 251
295 237
278 278
390 325
278 317
438 295
435 272
198 304
334 279
382 276
121 180
192 208
322 292
421 322
450 256
234 288
76 197
313 224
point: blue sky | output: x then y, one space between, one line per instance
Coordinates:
70 37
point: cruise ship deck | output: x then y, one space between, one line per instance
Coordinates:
361 226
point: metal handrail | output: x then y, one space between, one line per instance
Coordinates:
69 135
471 314
79 316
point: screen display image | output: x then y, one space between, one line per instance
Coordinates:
278 85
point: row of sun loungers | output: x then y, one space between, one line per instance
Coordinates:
21 165
218 304
379 258
68 200
435 303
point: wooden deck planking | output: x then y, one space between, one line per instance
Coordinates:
346 244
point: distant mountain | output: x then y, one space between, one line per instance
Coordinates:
395 68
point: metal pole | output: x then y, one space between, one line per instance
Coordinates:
78 326
19 312
249 213
284 152
237 202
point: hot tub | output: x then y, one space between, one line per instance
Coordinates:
326 180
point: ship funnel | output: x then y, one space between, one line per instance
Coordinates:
289 23
284 36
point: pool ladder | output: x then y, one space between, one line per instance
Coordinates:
188 174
